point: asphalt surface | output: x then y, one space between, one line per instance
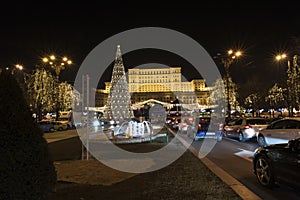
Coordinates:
235 158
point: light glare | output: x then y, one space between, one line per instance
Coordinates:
238 53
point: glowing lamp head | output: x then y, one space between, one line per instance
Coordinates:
238 53
19 67
52 57
278 57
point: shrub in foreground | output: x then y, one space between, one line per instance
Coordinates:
26 170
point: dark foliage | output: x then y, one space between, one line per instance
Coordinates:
26 170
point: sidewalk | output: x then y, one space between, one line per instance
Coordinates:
60 135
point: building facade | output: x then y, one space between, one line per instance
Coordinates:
162 84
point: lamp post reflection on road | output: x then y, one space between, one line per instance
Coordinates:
58 64
227 60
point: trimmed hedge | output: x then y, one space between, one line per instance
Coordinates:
26 170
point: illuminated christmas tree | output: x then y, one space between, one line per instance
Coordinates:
118 103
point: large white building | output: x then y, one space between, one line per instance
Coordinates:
163 84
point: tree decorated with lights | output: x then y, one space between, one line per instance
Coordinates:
221 90
217 96
293 84
275 97
40 86
118 103
251 102
65 96
41 91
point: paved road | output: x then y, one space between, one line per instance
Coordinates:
236 159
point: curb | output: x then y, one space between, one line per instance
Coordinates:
235 185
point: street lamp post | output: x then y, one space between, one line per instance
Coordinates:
58 64
227 61
291 82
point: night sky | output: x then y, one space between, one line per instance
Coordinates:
30 30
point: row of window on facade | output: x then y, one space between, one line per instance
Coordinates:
155 81
153 72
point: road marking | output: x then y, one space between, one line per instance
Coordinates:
245 154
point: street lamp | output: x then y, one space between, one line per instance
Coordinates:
291 81
227 60
12 70
19 67
57 63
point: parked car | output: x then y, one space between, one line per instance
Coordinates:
278 164
69 122
244 128
207 129
46 126
60 125
280 131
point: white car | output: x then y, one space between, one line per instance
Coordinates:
280 131
60 125
244 128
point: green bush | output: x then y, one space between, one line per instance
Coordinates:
26 170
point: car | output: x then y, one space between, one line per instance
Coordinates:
170 121
207 129
60 125
278 163
279 131
67 120
244 128
185 124
46 126
175 123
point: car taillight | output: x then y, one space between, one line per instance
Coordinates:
247 127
